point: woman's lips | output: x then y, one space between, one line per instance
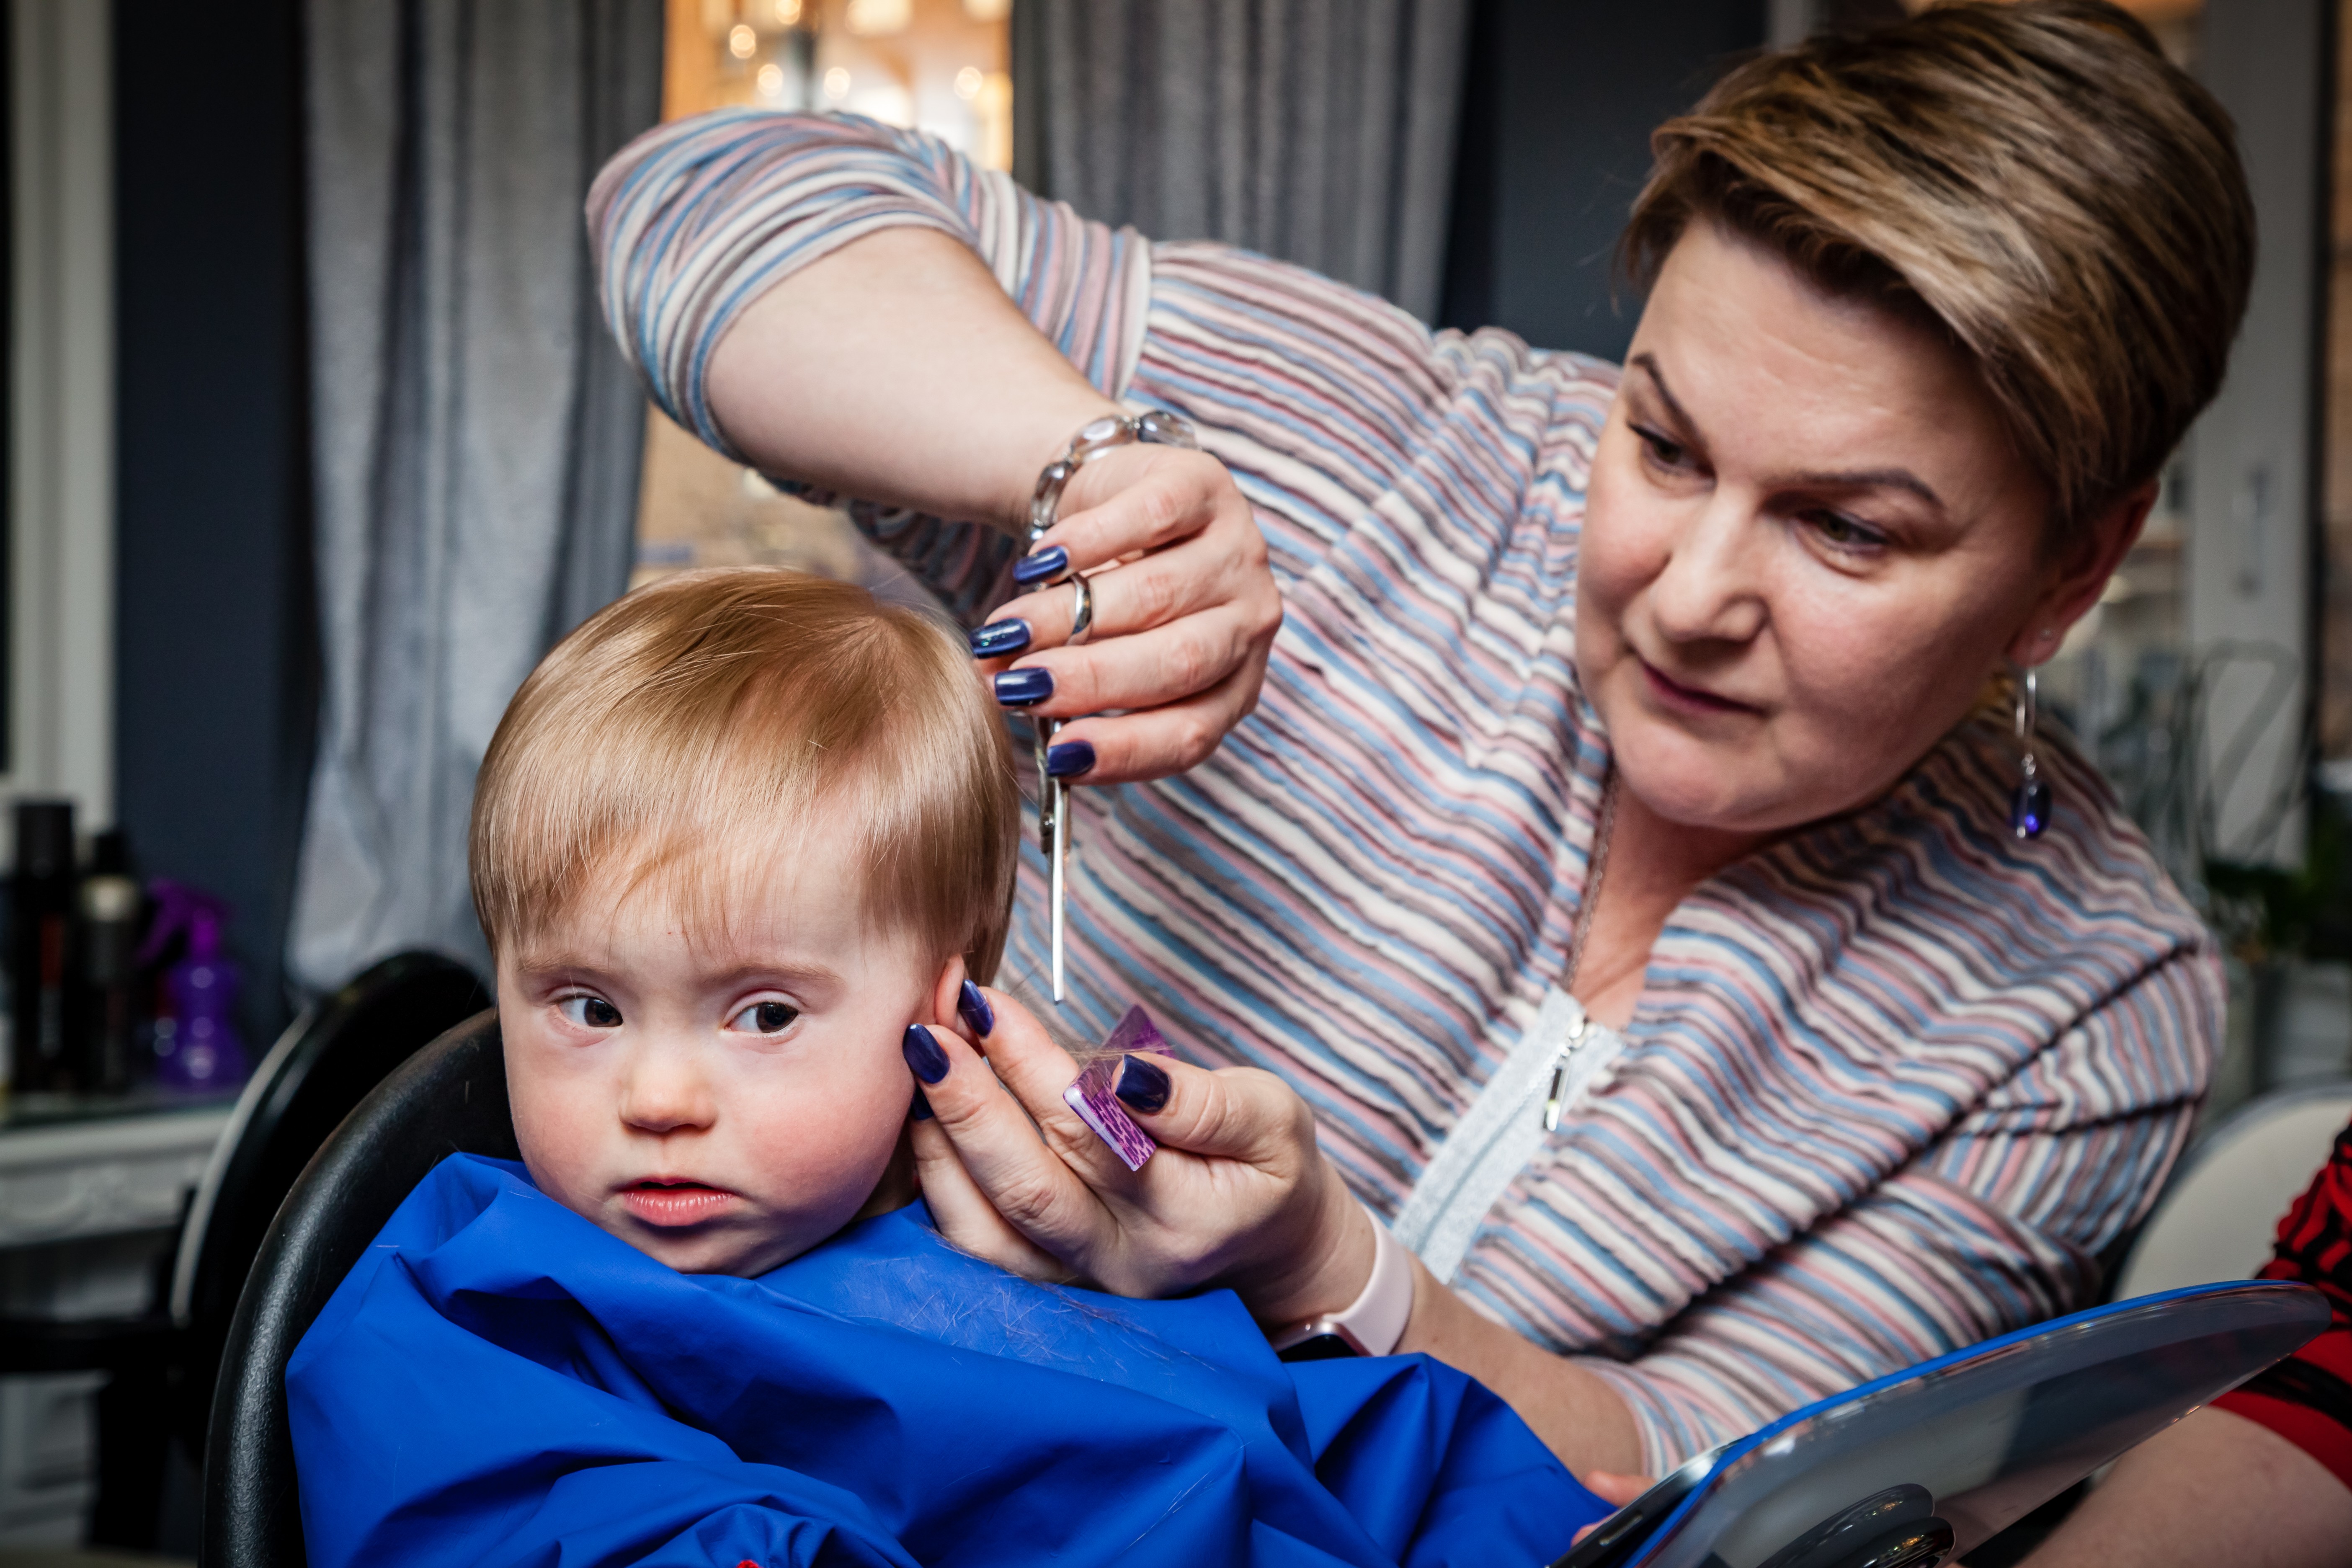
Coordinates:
660 1201
1672 693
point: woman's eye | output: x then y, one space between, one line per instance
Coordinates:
590 1012
765 1018
1664 453
1841 532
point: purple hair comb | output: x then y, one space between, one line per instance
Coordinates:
1091 1094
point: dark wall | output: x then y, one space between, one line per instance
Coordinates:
213 642
1558 107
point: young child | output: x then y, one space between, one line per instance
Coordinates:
733 835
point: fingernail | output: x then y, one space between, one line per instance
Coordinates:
924 1056
976 1010
1142 1085
1023 687
922 1106
1068 759
1033 569
999 637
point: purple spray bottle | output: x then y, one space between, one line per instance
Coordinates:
196 1047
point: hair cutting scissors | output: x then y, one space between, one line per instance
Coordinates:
1159 427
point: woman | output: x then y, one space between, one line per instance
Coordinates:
1871 1072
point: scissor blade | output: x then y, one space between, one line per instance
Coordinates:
1060 797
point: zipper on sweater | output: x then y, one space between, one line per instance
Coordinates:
1503 1130
1556 1096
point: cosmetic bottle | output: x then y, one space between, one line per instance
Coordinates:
196 1046
40 934
111 904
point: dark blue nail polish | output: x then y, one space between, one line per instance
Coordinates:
1032 569
924 1057
998 638
976 1010
1068 759
1142 1085
922 1106
1025 688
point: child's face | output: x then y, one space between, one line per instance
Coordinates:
726 1103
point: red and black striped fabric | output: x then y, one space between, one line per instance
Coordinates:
2307 1398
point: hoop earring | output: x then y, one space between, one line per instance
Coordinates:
2029 807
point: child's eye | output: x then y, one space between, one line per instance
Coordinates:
590 1012
765 1018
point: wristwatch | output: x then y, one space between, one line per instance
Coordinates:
1370 1324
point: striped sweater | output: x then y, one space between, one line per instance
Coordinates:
1892 1084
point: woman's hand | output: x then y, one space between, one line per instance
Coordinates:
1613 1489
1185 612
940 396
1238 1195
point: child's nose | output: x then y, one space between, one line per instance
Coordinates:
665 1094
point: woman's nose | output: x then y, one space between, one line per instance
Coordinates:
664 1093
1711 587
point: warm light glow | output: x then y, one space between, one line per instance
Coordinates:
742 41
995 106
988 10
874 19
968 82
788 13
772 80
836 84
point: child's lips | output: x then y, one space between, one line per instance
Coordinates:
660 1200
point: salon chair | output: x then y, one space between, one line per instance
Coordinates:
450 1097
164 1361
2220 1211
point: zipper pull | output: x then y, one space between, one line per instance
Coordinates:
1552 1099
1557 1094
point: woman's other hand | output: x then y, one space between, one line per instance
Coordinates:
1186 613
1613 1489
1237 1195
940 396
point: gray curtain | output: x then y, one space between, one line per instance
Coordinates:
1321 131
475 437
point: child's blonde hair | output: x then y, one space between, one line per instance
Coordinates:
677 732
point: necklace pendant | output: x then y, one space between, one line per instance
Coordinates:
2029 809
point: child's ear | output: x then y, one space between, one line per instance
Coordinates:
944 994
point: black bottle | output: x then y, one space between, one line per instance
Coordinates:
109 940
40 940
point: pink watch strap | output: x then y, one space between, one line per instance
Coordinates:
1373 1323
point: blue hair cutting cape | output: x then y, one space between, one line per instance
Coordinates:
499 1382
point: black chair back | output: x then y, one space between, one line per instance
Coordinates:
322 1066
449 1098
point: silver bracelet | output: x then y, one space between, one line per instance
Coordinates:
1159 427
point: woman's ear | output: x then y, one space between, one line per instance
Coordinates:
944 994
2079 575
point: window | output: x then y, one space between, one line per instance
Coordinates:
938 65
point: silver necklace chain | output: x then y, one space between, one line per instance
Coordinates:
1600 836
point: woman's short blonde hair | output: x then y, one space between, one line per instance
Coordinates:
690 733
2064 201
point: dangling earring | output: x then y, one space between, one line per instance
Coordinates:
2029 808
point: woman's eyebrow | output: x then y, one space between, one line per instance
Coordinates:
1841 479
1648 363
1870 478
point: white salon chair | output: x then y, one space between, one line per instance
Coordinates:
2222 1209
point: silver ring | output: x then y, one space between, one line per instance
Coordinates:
1082 614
